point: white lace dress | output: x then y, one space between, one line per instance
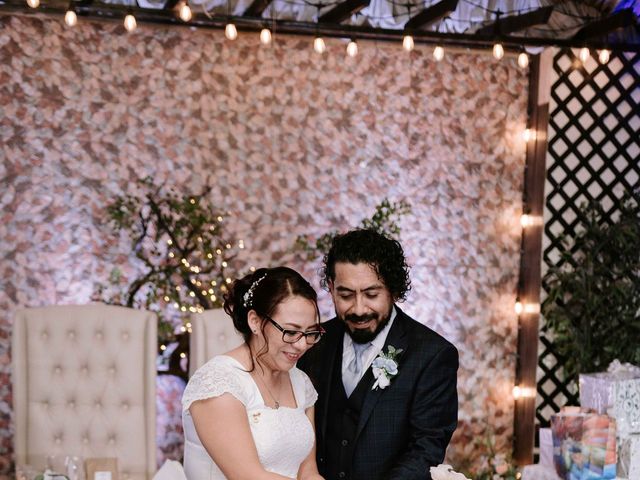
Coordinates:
283 437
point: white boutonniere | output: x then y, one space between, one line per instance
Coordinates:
385 367
445 472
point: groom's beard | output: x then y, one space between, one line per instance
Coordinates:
359 335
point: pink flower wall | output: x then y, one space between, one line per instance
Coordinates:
293 143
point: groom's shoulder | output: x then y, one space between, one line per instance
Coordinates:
423 335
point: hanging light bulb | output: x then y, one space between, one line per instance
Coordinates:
584 54
130 22
230 31
407 43
438 53
33 3
498 51
70 18
604 55
265 36
523 60
318 45
185 12
518 307
352 48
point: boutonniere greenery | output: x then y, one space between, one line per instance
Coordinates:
385 367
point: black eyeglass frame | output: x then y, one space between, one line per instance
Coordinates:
298 333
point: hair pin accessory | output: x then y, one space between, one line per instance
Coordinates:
248 296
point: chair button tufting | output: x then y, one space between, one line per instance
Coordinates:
84 369
112 369
85 440
125 335
44 335
71 334
125 405
57 439
99 334
222 337
71 404
98 404
57 369
112 440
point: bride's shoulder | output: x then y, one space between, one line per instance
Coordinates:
303 383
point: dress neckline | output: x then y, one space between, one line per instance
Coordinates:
255 385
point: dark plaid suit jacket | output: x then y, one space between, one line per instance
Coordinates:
405 428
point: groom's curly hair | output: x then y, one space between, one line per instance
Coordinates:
383 254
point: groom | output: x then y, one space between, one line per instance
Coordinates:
376 418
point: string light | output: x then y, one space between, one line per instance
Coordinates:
584 54
523 60
498 51
231 32
528 134
520 391
130 23
407 43
318 45
604 55
438 53
71 18
352 48
265 36
185 13
518 307
528 220
33 3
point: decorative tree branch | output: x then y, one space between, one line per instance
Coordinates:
384 220
179 244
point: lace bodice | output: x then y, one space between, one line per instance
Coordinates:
283 437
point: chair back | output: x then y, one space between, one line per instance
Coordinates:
84 383
212 333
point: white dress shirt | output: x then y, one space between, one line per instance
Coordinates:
348 352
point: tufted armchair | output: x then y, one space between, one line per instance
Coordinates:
212 333
84 383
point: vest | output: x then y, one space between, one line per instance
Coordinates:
342 423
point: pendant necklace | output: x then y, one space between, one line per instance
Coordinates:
276 405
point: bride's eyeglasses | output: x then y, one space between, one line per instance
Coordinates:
292 336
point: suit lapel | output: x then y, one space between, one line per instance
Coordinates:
333 354
398 338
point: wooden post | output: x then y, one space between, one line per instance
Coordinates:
531 255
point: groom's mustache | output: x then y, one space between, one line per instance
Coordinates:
352 318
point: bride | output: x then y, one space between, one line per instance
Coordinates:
248 414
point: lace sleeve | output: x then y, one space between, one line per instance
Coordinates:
310 394
212 380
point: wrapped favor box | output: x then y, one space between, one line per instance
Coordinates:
584 445
626 406
629 458
597 389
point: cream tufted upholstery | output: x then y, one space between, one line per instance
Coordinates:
84 383
213 333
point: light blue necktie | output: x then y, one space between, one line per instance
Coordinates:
354 369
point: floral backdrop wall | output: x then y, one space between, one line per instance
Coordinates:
293 143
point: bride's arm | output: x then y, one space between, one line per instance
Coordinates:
223 428
309 469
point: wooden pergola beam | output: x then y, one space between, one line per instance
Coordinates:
343 10
515 23
600 28
431 14
256 8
